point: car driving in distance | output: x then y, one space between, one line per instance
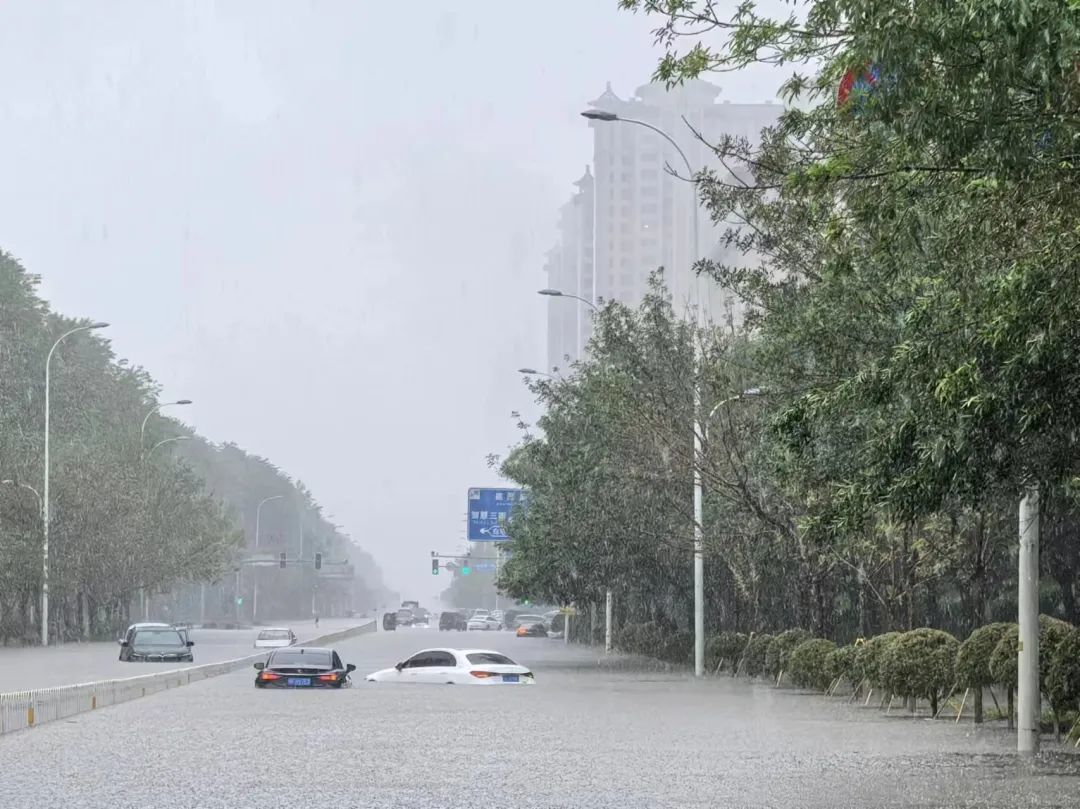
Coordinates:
452 619
155 643
455 667
483 623
537 630
303 667
528 620
275 637
404 616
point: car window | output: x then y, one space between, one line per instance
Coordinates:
158 637
298 657
490 658
275 634
428 659
337 661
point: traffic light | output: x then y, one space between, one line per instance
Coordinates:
318 561
281 560
434 567
465 569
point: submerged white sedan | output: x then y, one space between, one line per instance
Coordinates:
456 667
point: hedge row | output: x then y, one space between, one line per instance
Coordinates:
921 664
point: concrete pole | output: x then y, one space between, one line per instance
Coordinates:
566 629
1029 699
607 622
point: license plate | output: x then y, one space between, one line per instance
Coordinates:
511 678
299 681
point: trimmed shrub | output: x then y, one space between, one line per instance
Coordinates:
755 654
809 663
778 655
1063 676
1003 658
920 663
641 639
868 657
676 647
727 647
842 663
973 656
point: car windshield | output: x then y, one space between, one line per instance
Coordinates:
301 657
274 634
157 637
489 658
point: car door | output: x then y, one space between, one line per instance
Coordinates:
416 668
441 670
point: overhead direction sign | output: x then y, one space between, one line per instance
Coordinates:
489 510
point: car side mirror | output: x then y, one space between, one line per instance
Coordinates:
191 643
349 669
260 666
399 666
122 642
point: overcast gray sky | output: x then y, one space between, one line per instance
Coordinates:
323 221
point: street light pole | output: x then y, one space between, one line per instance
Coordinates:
167 441
258 514
45 488
699 536
534 372
153 410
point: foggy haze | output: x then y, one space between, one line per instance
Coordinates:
324 222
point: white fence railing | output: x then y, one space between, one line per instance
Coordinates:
25 709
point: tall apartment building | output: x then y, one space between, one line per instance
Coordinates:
642 216
569 268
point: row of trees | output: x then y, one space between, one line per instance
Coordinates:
126 523
908 358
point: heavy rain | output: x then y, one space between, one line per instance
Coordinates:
687 383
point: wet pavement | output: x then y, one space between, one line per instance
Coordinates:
589 734
68 663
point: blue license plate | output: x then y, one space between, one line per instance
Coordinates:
511 678
299 681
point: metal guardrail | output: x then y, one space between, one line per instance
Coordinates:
26 709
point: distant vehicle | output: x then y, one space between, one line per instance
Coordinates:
404 616
275 637
456 667
528 620
411 604
389 621
303 667
537 630
451 619
497 615
483 622
478 613
155 643
420 621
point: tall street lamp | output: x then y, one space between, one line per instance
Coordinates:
558 293
699 537
45 489
534 372
258 513
155 409
167 441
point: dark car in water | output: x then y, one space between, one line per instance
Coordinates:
303 667
155 643
452 619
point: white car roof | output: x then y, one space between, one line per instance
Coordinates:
150 623
275 629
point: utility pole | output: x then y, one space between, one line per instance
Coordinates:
607 621
1029 698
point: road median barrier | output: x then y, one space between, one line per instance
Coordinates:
25 709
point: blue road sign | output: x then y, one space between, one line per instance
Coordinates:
489 510
484 566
